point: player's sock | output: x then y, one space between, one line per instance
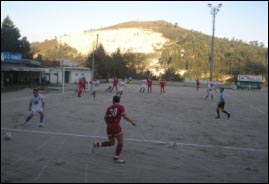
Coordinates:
118 150
228 114
218 113
28 118
103 144
41 118
225 112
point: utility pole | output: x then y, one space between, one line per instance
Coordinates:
214 11
93 58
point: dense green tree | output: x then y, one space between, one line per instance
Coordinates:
10 35
24 48
10 41
39 57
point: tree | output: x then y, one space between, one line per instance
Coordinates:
9 36
24 48
10 41
39 57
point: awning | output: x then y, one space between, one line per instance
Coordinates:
22 69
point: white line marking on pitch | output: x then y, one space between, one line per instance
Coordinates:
137 140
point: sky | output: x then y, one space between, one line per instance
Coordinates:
41 20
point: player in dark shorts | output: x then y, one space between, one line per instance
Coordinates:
221 104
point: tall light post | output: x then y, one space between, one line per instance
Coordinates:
214 11
93 58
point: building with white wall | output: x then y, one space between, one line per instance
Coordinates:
71 74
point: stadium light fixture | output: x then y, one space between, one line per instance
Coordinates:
214 11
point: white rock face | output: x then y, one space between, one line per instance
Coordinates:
127 39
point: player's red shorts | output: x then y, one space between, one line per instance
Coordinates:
113 130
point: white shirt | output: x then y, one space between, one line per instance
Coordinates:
144 83
110 82
95 84
122 84
209 85
37 103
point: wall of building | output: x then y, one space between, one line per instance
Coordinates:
54 75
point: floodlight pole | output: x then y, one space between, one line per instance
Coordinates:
93 58
214 11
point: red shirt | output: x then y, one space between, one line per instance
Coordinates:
114 113
115 81
162 83
149 82
81 84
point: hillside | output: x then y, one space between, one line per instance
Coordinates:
130 36
41 47
166 47
154 25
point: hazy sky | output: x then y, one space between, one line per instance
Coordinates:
244 20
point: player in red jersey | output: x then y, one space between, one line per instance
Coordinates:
112 118
81 86
149 81
162 85
197 84
115 84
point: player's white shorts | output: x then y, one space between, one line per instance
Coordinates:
210 93
36 109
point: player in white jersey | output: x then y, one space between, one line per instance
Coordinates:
95 84
110 85
121 87
36 105
209 84
143 85
210 91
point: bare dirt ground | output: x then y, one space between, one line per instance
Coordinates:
177 138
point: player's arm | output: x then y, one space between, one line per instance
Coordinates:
106 119
129 120
43 103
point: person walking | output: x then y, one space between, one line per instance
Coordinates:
149 81
210 91
81 86
197 84
162 85
221 104
95 84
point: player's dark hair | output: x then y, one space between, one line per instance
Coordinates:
35 89
221 88
116 99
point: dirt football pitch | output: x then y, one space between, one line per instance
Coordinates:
177 137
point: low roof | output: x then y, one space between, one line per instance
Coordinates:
21 68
